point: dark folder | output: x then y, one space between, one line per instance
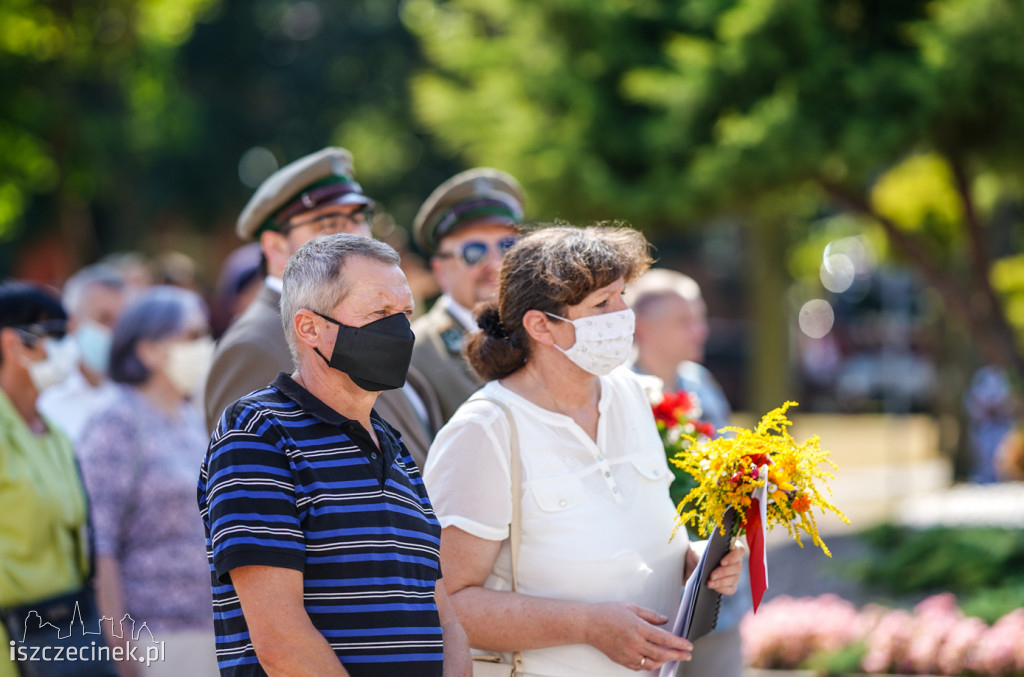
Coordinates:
698 609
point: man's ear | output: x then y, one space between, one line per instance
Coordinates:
276 251
309 327
538 326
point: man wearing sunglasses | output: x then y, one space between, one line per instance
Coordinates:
313 196
465 226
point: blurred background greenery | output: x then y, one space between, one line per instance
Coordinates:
844 177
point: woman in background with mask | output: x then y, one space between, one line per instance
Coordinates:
597 576
140 457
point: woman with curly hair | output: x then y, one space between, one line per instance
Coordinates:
596 575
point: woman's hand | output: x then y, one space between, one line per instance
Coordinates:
628 635
726 575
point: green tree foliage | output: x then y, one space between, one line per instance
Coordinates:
124 123
294 76
661 112
90 98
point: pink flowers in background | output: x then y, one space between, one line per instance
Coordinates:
786 631
933 639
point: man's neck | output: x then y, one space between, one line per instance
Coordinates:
462 314
340 393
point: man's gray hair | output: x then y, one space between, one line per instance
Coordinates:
77 287
314 278
656 284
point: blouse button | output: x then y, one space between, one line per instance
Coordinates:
600 458
563 503
607 474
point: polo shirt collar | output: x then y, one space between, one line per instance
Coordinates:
314 406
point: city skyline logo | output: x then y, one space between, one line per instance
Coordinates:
140 644
115 631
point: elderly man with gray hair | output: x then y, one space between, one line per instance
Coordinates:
94 298
323 544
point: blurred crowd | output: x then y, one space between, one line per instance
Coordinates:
109 392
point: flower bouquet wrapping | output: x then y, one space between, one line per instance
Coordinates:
766 477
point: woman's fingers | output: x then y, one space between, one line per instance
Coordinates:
726 575
628 634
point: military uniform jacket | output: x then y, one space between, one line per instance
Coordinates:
253 351
438 357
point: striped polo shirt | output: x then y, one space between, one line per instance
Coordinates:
289 482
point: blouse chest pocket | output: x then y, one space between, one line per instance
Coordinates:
651 468
553 497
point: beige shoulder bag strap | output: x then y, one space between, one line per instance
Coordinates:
485 665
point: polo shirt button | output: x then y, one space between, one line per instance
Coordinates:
373 455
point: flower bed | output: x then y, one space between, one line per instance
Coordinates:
830 634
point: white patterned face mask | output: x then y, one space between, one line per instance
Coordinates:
603 342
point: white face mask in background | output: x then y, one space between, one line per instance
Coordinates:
187 364
93 341
603 342
55 367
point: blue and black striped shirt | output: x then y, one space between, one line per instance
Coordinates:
289 482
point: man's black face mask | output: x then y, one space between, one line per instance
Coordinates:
376 356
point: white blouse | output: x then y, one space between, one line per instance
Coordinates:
596 517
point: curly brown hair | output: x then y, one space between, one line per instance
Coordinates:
548 270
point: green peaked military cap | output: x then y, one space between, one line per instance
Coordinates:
482 194
318 180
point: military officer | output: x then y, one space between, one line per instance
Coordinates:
465 226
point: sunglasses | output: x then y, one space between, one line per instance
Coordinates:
474 252
32 334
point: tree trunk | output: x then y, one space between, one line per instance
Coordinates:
771 382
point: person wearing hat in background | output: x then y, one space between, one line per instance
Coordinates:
314 195
44 547
465 226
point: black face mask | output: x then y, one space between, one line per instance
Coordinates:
376 356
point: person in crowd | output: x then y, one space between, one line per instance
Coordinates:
598 574
136 269
176 269
44 547
313 196
465 226
239 283
323 546
671 331
139 456
993 409
94 298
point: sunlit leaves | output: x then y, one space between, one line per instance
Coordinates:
918 191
